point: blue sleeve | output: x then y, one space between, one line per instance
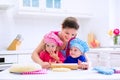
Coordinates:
82 58
67 60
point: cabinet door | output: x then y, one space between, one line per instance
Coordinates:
9 58
93 58
115 59
25 58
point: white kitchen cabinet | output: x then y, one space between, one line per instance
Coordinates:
18 56
7 59
115 60
24 58
99 59
93 58
104 57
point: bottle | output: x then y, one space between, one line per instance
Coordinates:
15 43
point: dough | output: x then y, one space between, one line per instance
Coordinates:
19 68
61 69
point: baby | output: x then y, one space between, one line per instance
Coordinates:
51 54
77 50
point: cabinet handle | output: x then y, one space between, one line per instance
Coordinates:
98 56
2 59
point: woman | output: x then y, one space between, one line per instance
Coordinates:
68 31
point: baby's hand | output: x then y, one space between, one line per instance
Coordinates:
83 65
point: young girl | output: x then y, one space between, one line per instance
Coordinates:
51 54
78 48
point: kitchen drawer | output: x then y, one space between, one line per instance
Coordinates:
115 59
25 58
93 58
8 58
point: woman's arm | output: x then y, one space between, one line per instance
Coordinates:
36 58
35 54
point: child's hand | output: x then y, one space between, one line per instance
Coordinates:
54 55
45 65
82 65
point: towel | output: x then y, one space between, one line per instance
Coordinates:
104 70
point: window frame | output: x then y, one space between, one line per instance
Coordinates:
42 7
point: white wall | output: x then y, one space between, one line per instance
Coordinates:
117 15
33 28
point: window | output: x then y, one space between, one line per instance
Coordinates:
39 4
30 3
53 4
26 3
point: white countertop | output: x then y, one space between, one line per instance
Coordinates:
71 75
16 51
107 50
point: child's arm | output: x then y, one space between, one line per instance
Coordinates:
42 57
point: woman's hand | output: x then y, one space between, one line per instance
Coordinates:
83 65
45 65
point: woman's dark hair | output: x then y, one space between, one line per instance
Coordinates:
70 22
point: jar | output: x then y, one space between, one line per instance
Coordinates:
116 40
